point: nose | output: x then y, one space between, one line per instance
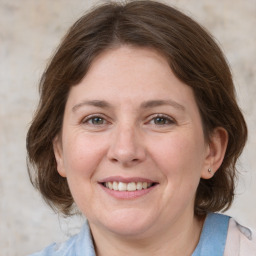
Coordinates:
126 147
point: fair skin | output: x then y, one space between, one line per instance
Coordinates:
131 120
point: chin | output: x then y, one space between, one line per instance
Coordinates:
128 223
128 229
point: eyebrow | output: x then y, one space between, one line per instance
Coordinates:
157 103
95 103
146 104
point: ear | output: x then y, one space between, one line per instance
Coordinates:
58 152
215 152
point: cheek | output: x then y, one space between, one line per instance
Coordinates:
181 155
82 154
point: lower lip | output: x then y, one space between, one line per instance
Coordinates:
127 194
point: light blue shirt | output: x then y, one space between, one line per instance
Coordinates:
213 237
212 240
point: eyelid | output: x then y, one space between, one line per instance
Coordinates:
169 118
86 119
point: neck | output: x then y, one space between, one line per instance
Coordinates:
180 240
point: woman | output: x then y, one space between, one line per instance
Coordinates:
138 128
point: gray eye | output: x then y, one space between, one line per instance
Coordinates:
161 120
97 120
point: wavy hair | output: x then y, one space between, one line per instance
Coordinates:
193 56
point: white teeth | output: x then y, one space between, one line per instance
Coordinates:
131 186
109 185
115 185
122 186
139 186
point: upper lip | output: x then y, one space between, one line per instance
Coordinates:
126 179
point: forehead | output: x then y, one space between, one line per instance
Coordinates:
131 74
127 58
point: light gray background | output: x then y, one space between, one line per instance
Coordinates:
29 32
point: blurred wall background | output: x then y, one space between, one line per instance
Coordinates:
30 30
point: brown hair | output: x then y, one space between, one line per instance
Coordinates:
194 58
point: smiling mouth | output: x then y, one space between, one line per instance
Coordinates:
131 186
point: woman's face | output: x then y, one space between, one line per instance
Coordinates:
132 145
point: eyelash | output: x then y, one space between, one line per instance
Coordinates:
89 119
167 120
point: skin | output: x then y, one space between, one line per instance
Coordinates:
131 117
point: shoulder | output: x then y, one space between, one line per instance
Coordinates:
76 244
58 249
241 241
